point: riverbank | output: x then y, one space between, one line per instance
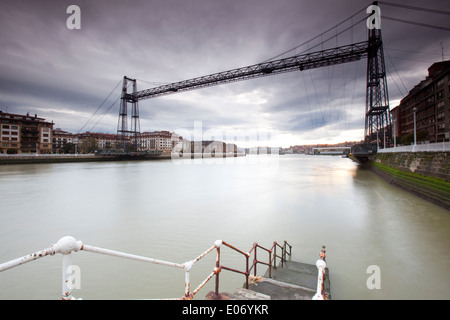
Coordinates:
64 158
402 171
50 158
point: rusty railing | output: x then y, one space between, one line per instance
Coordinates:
248 268
67 245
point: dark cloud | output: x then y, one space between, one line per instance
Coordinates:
65 75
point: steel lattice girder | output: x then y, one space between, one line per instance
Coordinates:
306 61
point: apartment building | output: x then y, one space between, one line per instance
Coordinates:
89 142
157 140
60 140
428 104
25 134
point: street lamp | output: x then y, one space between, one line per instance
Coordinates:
414 110
395 144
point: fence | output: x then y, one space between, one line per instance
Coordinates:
67 245
426 147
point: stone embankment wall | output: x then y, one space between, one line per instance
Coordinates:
426 174
429 164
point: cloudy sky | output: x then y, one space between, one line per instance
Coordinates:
74 77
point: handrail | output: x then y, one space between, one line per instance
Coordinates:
285 250
67 245
247 255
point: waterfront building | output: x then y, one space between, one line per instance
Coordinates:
89 142
428 104
157 140
60 140
25 134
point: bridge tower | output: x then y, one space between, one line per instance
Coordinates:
378 118
129 138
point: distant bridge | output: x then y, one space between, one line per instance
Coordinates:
331 151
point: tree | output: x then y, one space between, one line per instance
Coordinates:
408 139
88 145
69 148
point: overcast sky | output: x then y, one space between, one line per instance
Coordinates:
74 77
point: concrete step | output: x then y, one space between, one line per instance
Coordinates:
239 294
301 274
293 281
247 294
278 290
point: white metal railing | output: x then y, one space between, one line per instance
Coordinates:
67 245
426 147
321 266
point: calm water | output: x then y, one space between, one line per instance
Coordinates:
175 210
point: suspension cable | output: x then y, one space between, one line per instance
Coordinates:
417 23
98 108
414 8
320 35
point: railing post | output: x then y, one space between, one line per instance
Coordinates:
66 286
65 246
275 255
255 259
247 272
321 266
216 292
187 281
187 284
270 264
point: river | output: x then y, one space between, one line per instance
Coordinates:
173 210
